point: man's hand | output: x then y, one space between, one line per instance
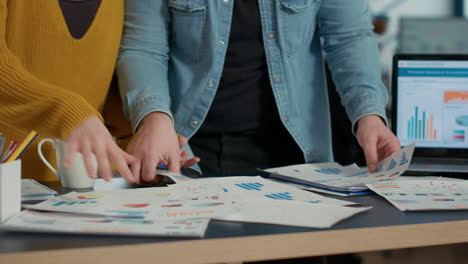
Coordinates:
185 161
92 137
156 142
377 141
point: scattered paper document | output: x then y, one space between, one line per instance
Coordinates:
332 177
257 188
423 195
291 213
51 222
246 199
96 204
32 190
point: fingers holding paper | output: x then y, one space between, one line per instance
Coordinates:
185 160
377 141
94 142
155 143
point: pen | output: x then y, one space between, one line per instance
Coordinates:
9 150
2 143
19 150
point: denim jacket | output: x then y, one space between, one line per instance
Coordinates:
173 51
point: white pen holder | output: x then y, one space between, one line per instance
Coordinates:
10 189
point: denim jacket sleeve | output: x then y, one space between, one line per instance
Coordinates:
143 60
352 53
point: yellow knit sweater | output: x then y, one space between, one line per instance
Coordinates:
50 81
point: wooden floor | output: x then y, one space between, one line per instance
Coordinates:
453 254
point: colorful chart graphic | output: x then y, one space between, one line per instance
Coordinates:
404 159
421 127
214 197
392 165
128 213
135 205
456 97
458 135
72 203
251 186
36 221
280 196
207 204
462 120
90 196
329 171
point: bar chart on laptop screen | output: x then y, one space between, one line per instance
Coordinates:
421 126
432 107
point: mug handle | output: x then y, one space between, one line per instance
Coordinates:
46 162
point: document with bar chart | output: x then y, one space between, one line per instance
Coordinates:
336 179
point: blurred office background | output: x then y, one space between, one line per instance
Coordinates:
419 26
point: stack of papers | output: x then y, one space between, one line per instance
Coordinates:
183 209
339 180
424 194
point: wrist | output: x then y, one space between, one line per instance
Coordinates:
156 117
370 119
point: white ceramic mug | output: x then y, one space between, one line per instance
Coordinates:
74 177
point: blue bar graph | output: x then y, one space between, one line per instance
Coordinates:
280 196
250 186
421 126
329 171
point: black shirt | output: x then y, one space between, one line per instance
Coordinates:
244 100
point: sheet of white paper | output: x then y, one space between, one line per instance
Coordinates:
257 188
32 190
179 201
111 203
29 220
433 178
179 210
291 213
421 195
349 177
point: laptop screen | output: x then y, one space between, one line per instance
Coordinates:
431 101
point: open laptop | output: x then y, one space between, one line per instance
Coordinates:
430 108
